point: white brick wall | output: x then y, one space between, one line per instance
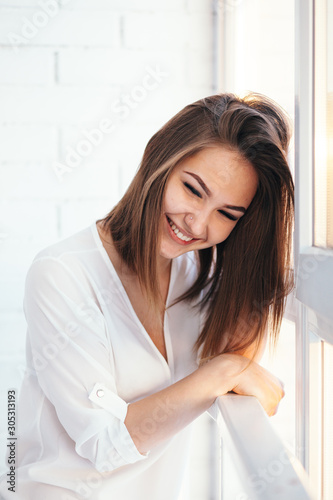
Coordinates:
67 66
23 27
28 142
23 70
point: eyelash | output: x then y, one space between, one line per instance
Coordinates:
191 188
229 216
196 193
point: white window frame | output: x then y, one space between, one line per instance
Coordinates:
314 286
314 266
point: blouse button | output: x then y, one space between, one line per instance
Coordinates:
100 393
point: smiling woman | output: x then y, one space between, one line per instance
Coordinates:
217 153
144 318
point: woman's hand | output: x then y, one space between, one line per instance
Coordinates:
258 382
251 379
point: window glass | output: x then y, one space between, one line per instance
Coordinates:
323 122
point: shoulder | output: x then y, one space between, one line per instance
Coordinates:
76 243
66 260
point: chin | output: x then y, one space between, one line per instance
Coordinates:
170 253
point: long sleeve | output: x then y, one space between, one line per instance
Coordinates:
71 355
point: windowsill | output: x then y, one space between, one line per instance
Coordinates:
265 468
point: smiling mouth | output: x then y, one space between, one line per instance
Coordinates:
177 232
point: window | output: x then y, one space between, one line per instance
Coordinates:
314 240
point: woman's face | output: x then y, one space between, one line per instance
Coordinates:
204 198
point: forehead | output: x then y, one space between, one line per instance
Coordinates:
217 161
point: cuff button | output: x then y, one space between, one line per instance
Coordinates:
100 393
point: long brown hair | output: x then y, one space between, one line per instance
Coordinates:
249 274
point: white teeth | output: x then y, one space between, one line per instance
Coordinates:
178 233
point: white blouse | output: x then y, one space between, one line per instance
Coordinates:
88 357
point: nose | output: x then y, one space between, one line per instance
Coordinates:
197 224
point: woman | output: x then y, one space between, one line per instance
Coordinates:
139 322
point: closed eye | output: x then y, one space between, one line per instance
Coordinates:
192 189
229 216
223 212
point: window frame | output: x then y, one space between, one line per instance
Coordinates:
313 265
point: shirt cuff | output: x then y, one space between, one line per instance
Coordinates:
110 401
119 436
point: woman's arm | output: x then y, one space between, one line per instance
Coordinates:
158 417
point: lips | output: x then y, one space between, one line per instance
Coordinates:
178 234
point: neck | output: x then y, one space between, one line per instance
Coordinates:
163 267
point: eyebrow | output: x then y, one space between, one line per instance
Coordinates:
201 182
209 193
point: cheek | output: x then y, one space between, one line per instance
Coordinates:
174 198
220 232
